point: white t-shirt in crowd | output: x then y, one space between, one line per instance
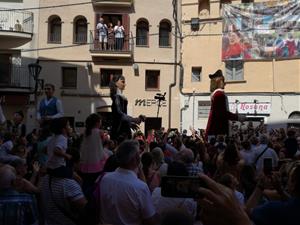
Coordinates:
163 204
125 199
240 197
57 141
269 153
2 117
248 156
7 147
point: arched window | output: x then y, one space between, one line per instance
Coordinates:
54 30
80 30
164 34
142 33
295 115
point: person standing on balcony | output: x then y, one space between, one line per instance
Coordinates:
119 35
50 107
111 37
102 29
18 26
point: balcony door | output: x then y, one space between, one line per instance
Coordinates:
113 18
5 69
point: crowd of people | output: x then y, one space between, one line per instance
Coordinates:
111 37
54 176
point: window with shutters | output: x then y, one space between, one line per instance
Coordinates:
142 32
54 29
69 77
80 30
196 74
152 79
234 70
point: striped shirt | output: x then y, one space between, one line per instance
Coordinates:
64 191
17 208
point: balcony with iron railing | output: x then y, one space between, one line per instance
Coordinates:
15 78
116 48
113 3
16 28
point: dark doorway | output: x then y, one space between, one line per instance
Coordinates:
5 68
152 123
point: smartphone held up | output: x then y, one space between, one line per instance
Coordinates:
268 166
181 186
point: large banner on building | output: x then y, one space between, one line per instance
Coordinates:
262 30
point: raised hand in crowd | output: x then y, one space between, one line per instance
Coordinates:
219 206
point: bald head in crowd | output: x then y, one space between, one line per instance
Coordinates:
263 139
186 156
7 176
128 154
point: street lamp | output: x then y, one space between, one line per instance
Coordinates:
34 71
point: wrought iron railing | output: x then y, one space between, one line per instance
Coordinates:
164 41
54 37
16 21
141 40
112 45
116 1
80 37
12 76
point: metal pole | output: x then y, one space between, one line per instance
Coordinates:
194 108
158 108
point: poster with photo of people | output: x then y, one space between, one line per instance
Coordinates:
262 30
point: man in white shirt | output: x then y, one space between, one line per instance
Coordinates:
124 199
102 29
263 152
248 153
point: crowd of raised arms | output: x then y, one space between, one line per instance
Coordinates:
54 176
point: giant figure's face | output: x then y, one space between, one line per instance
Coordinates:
220 82
121 84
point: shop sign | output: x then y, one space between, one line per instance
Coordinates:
250 108
149 102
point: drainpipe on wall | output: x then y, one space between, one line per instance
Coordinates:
175 7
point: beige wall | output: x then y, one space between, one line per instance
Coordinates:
53 57
203 48
67 15
22 57
264 81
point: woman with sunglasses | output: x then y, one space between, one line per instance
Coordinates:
121 122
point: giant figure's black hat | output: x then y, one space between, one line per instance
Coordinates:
218 73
